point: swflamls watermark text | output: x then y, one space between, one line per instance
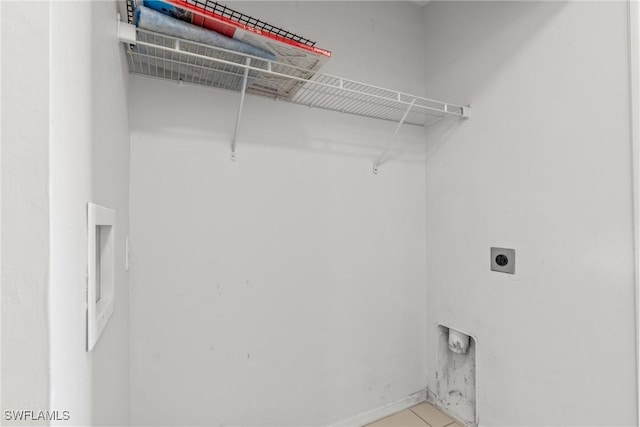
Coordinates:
31 415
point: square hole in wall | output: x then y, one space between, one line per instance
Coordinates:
100 270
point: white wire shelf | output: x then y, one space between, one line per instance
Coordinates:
175 59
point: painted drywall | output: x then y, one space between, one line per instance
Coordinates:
542 166
634 83
25 208
1 401
89 162
288 287
70 171
110 187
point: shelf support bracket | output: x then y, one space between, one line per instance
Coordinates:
243 90
126 32
378 161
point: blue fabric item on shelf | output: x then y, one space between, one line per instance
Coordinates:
169 10
151 20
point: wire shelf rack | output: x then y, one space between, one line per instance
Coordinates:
241 18
175 59
231 14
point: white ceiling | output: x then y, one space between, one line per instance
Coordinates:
420 3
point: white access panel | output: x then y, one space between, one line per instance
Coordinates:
100 270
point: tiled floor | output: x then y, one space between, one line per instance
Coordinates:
422 415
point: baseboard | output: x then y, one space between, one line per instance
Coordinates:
383 411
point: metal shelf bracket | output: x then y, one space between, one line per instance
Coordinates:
378 161
243 91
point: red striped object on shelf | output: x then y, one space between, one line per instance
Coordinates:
288 47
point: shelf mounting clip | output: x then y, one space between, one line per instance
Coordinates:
126 32
243 91
378 161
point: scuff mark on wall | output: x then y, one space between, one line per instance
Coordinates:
456 380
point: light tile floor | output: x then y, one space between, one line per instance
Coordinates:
422 415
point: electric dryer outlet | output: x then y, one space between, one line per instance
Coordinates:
503 260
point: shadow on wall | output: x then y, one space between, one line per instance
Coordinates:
482 41
482 29
188 113
438 133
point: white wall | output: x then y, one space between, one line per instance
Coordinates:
634 76
25 207
110 187
70 190
543 166
89 162
288 287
